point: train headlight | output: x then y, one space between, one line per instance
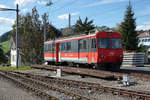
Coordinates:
102 56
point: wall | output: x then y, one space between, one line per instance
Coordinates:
13 58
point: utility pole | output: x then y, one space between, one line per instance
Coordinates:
17 11
44 21
17 58
69 23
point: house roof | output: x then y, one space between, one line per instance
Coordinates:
12 43
144 34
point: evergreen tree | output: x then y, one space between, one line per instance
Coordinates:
84 26
127 29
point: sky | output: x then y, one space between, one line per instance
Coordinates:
102 12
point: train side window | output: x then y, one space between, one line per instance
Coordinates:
84 44
93 44
62 46
68 45
46 48
49 47
80 44
53 47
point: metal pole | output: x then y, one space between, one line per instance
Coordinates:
44 33
17 10
69 22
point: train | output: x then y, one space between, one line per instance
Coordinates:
96 49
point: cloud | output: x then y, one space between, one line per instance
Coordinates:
23 2
65 16
6 24
104 2
76 13
143 27
4 20
25 9
147 22
42 2
3 6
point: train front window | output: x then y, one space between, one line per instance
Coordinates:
103 43
116 43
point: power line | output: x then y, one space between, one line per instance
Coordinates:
64 6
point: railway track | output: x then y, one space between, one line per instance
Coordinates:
92 72
145 95
41 88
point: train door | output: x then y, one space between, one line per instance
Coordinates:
79 46
86 49
92 50
57 52
83 51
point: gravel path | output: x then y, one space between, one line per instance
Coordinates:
8 91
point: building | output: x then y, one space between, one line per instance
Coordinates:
13 54
144 39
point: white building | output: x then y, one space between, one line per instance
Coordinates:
144 39
13 54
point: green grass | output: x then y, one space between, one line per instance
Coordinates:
14 68
5 46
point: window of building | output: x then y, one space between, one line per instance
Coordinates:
148 40
145 40
13 58
139 40
142 40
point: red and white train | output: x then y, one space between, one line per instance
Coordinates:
97 49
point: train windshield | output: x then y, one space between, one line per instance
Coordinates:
116 43
105 43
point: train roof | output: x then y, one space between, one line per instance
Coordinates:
74 37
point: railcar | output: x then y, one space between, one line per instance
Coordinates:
97 49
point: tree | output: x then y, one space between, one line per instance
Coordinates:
127 29
103 28
51 31
31 37
2 56
84 26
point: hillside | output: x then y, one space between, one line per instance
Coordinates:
4 37
5 46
